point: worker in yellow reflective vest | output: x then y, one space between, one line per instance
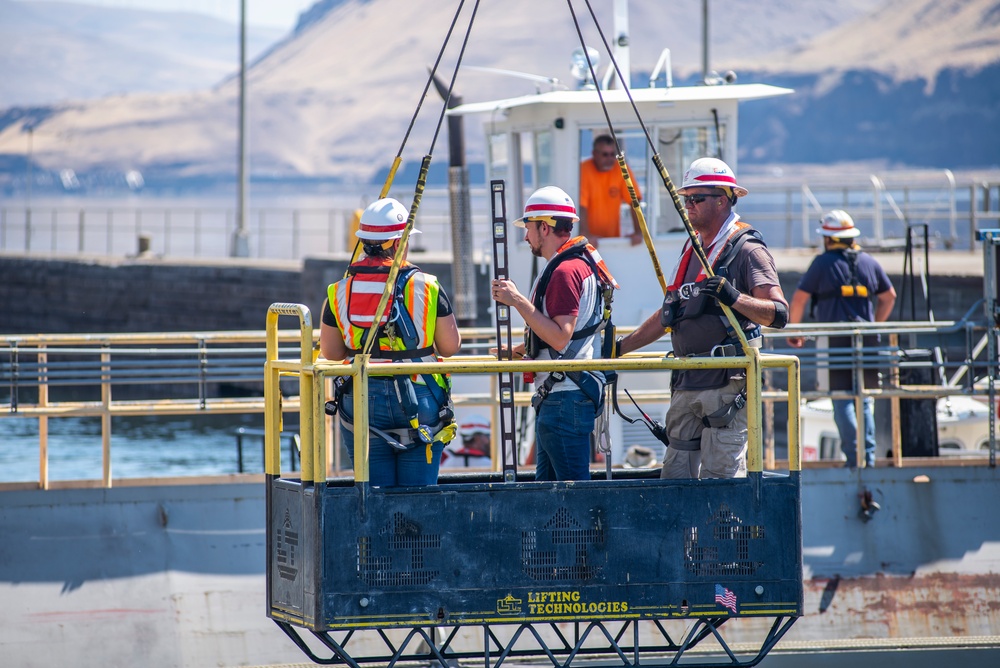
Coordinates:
410 418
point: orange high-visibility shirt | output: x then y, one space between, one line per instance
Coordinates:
602 194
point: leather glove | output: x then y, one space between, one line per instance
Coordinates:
721 289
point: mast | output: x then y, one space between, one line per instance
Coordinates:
241 242
621 44
704 41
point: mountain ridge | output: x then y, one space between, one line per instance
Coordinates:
333 99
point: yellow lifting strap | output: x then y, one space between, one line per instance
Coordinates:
641 218
420 101
397 260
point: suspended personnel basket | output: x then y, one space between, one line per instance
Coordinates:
493 567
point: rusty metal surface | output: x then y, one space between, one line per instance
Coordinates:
935 605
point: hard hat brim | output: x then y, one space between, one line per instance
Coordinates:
383 236
739 191
849 233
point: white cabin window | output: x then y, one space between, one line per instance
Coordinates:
678 147
543 158
499 159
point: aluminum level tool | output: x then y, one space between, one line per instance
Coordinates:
508 446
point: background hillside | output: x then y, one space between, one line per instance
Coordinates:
56 51
916 83
912 82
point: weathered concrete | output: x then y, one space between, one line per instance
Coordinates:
156 576
173 575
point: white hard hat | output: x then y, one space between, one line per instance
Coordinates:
638 456
711 173
548 201
837 223
474 424
384 219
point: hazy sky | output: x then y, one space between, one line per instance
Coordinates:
277 13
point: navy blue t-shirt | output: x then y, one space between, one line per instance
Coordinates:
829 272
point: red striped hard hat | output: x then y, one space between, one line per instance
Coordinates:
548 202
711 173
383 220
474 424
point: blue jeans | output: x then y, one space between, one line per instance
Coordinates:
387 466
846 420
563 426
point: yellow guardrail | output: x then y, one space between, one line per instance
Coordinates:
315 372
53 376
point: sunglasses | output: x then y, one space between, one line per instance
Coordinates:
698 199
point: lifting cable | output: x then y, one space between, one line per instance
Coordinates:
419 190
664 175
413 119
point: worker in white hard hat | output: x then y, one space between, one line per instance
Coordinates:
706 423
564 318
410 421
474 449
840 284
638 457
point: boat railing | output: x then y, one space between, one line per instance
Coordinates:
55 376
915 361
883 205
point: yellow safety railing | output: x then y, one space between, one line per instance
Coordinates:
314 373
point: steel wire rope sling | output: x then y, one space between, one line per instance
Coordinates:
612 388
501 270
413 119
361 361
664 175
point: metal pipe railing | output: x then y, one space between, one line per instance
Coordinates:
50 376
884 204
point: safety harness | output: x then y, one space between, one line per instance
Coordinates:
852 290
684 301
399 334
590 382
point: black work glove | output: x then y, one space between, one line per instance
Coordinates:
721 289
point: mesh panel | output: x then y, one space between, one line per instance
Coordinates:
560 550
726 551
403 563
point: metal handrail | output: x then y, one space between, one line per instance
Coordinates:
35 364
291 233
314 455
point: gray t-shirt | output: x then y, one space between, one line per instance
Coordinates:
753 266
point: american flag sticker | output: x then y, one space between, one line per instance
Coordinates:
725 597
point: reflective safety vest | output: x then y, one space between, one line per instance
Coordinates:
406 327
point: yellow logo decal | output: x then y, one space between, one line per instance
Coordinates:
509 605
